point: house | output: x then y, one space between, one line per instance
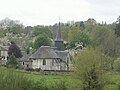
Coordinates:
3 54
49 58
24 62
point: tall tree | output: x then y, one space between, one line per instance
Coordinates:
14 50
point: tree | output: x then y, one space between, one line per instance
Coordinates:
42 40
12 61
14 50
37 30
90 67
82 27
73 37
78 36
117 29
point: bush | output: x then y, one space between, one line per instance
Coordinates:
12 62
90 66
116 65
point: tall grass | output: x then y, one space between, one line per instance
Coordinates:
12 80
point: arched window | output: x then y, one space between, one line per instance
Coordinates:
44 62
23 63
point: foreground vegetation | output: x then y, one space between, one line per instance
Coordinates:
11 79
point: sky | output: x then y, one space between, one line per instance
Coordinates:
49 12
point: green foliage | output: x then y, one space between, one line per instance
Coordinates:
85 39
42 40
73 37
90 66
13 80
116 65
77 36
37 30
40 85
99 35
12 61
10 80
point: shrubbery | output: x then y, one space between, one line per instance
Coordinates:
116 65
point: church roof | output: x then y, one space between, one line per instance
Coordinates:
62 54
44 52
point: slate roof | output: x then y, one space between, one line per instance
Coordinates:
3 48
59 35
62 54
44 52
25 58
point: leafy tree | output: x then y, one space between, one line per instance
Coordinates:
99 35
116 65
73 37
8 23
90 67
37 30
42 40
85 39
14 50
12 61
77 36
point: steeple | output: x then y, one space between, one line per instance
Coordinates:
59 40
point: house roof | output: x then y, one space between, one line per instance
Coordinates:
44 52
3 48
25 58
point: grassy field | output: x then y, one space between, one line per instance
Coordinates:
17 80
52 80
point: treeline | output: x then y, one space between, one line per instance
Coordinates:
90 33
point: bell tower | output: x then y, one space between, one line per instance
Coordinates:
59 43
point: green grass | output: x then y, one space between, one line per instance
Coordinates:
17 80
51 80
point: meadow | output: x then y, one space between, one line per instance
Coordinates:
11 79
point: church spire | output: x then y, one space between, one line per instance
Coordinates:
59 40
59 35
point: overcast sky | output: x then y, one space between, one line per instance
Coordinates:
47 12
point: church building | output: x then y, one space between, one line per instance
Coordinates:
49 58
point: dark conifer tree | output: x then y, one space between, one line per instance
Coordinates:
117 29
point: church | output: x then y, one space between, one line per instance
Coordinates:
49 58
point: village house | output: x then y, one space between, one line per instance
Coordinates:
3 54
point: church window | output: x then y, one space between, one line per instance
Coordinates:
44 62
